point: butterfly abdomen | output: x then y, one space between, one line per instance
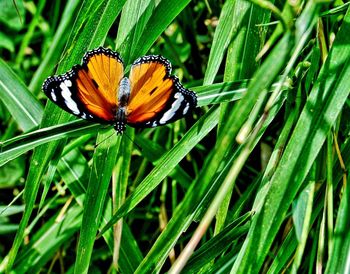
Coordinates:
123 95
123 92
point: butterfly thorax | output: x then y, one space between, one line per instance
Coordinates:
123 99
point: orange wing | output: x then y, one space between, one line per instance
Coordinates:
89 91
156 97
97 82
150 90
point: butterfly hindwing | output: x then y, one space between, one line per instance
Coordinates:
156 98
62 90
89 91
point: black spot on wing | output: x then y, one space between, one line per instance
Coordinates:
95 83
181 102
153 90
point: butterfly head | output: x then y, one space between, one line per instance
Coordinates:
119 127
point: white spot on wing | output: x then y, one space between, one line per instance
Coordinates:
174 108
53 95
186 109
67 95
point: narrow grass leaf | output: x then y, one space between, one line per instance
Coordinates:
16 97
339 259
51 57
103 164
217 245
16 146
241 64
302 220
153 152
134 17
46 241
163 15
222 38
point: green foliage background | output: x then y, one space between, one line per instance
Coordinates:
254 181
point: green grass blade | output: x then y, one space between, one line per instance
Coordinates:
217 245
134 17
16 146
222 38
119 189
163 15
153 153
241 64
16 97
339 259
103 164
302 220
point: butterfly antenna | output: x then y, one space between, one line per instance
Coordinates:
133 141
96 145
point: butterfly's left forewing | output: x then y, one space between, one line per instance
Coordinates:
89 91
156 98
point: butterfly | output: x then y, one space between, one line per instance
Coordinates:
99 91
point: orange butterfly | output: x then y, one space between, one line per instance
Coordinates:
97 90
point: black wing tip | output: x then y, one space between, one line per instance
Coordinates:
190 94
101 50
59 78
154 58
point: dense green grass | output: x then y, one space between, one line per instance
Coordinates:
254 181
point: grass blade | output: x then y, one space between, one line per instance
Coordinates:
17 98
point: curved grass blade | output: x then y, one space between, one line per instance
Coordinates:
133 19
222 38
218 245
241 63
16 146
17 98
59 40
163 15
339 259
